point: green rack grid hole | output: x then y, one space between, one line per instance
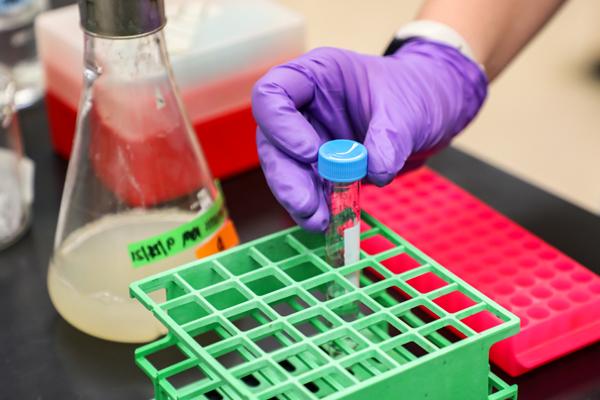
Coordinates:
361 372
390 295
194 375
248 320
417 316
166 357
302 269
227 298
159 290
288 366
344 343
214 394
344 311
329 384
454 301
188 311
376 244
374 333
382 328
415 349
319 292
301 362
314 325
265 284
482 321
289 304
232 359
277 249
240 262
407 350
320 288
446 335
234 356
201 276
310 240
401 263
262 377
369 276
369 368
427 282
209 334
274 340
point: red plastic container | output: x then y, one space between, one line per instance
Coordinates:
214 135
557 299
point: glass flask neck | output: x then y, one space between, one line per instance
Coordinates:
127 59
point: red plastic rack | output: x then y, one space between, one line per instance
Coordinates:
557 299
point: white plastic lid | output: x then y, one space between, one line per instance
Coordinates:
209 41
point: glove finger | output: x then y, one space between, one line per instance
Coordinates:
276 98
294 184
322 131
319 220
389 145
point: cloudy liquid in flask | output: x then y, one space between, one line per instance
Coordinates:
90 273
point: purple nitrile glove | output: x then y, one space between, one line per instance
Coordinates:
401 107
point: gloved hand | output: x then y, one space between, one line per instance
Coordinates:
401 107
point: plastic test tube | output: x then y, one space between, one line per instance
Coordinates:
342 164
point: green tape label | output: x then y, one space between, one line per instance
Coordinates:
179 239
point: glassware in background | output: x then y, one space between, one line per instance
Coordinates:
16 172
18 49
139 198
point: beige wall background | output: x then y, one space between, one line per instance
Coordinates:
542 119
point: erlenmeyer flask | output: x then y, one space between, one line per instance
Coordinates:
138 197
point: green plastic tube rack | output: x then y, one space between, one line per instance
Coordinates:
253 323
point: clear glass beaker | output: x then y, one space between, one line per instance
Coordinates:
18 50
138 197
15 171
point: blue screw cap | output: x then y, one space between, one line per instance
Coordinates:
342 161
